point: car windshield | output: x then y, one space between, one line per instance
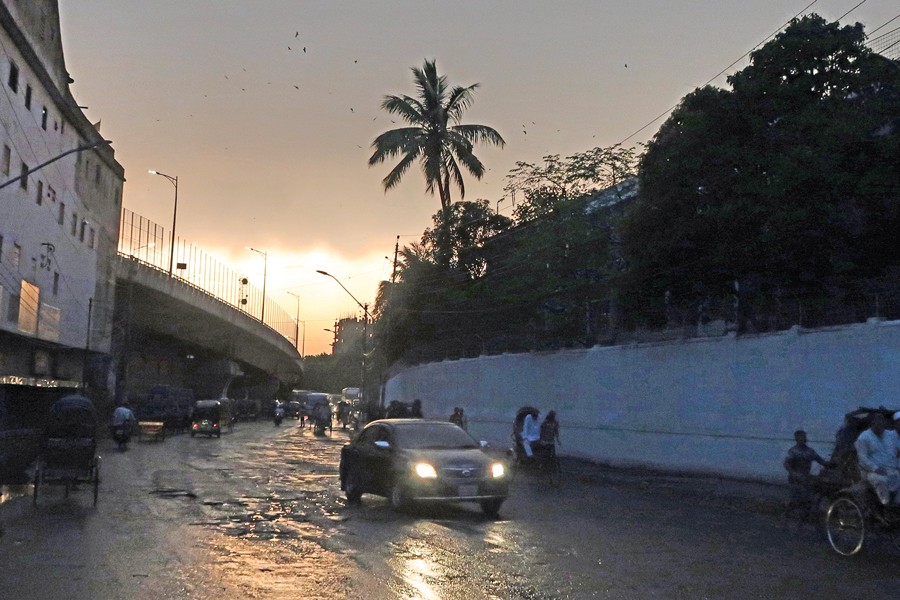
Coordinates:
432 436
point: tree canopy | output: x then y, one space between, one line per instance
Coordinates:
544 186
788 181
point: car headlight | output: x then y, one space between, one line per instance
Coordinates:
426 471
497 470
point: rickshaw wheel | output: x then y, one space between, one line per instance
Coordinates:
96 470
38 474
846 526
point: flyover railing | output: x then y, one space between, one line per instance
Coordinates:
149 243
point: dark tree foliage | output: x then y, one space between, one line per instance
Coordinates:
436 278
542 187
787 183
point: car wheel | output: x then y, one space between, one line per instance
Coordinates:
491 508
353 487
399 498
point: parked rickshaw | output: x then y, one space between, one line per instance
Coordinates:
69 451
211 417
854 512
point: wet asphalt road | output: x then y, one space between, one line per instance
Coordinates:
259 514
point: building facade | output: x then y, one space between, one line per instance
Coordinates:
59 221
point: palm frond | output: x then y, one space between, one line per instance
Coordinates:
460 99
408 108
453 173
479 134
396 175
393 143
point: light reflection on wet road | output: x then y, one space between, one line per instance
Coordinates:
259 514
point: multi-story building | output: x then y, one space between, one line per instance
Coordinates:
60 203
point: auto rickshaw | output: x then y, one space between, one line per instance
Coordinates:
210 417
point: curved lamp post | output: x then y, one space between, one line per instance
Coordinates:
173 181
365 308
262 314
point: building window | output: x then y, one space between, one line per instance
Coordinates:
23 181
83 231
28 97
51 194
92 238
62 128
56 283
1 249
39 197
7 156
13 80
12 309
44 119
62 213
74 224
97 174
29 304
15 256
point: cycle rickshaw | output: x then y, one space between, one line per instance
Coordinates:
854 512
543 457
68 454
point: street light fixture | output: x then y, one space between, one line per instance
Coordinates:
365 308
262 315
173 181
297 330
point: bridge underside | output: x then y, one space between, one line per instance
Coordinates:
171 332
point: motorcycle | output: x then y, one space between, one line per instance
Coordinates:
279 415
121 434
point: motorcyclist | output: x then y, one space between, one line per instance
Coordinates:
121 424
279 412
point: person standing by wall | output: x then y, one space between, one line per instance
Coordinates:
531 432
798 464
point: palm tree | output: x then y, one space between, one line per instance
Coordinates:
434 138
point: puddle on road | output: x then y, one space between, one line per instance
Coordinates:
296 495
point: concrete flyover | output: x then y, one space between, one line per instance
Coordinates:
173 307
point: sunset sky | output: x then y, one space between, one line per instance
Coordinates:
266 109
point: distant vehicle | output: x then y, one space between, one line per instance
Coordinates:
293 409
410 461
351 394
166 404
210 417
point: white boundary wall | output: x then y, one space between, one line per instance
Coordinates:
725 406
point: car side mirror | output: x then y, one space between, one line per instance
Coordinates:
484 444
383 444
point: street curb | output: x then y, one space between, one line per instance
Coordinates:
744 494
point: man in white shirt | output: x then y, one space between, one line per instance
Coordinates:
877 450
531 432
122 416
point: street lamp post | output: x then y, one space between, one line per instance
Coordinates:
173 181
365 308
262 315
297 328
